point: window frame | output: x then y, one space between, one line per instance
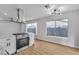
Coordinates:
55 27
31 24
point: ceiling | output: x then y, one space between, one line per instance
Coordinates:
32 11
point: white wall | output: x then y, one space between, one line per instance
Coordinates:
76 42
72 40
9 27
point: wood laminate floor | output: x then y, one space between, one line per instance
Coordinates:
46 48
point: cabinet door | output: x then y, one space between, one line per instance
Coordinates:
11 45
3 47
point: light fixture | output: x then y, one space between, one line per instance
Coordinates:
20 14
47 6
19 18
51 9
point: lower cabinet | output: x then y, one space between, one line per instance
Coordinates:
11 46
8 45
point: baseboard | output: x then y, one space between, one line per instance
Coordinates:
58 44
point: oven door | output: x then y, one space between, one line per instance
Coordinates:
22 42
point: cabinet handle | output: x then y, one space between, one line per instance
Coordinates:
8 44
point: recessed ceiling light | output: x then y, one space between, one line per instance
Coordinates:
5 14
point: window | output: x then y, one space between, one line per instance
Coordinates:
57 28
32 28
51 28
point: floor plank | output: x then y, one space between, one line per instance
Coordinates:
46 48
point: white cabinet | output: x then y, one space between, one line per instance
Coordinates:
8 43
11 46
31 36
3 47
